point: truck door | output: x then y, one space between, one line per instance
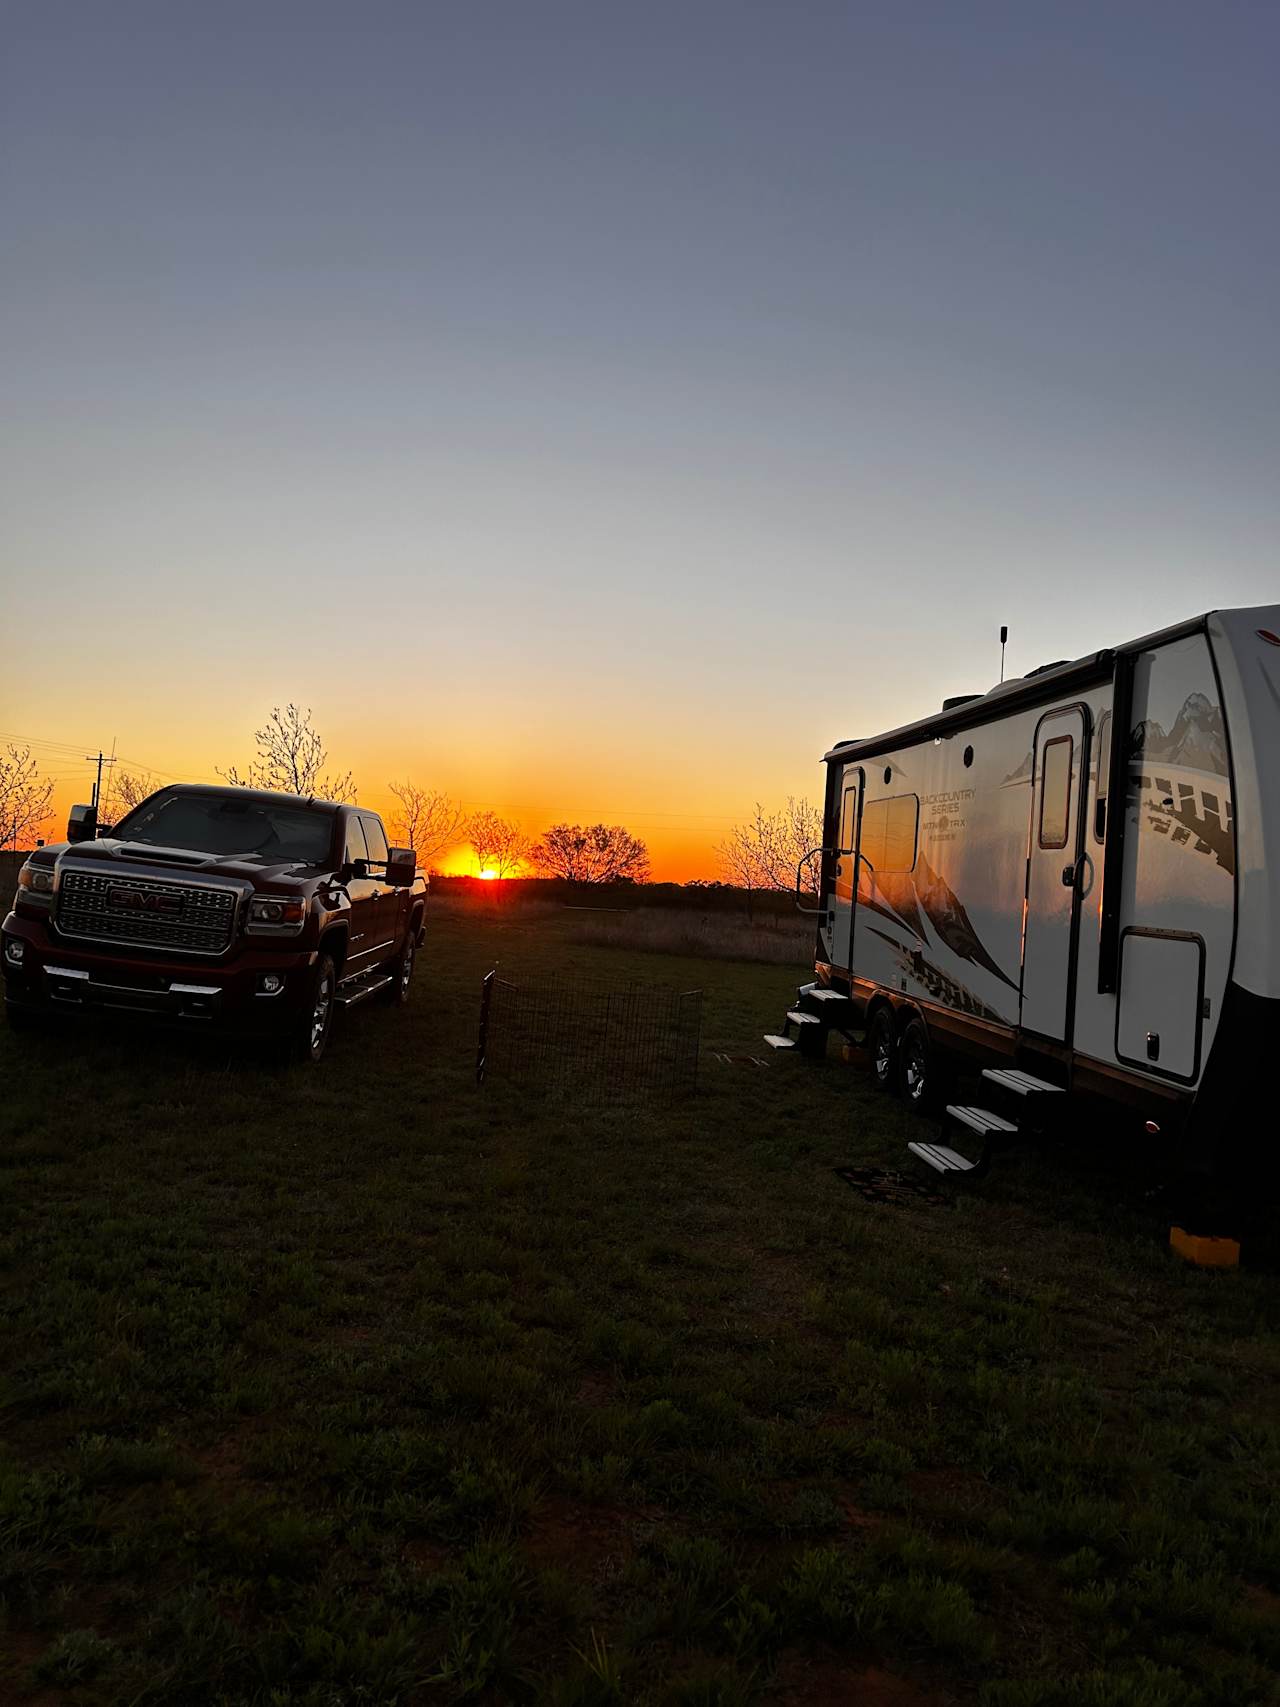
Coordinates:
364 895
845 897
1054 859
386 899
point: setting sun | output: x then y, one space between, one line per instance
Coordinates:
488 876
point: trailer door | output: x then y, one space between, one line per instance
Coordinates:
846 868
1053 874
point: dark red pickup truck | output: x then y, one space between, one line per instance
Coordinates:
225 907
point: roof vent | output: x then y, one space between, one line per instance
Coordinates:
959 699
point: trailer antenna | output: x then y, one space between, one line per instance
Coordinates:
1004 635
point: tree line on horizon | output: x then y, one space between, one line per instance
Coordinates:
764 853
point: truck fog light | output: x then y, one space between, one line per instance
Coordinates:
270 983
14 952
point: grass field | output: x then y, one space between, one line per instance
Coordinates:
362 1385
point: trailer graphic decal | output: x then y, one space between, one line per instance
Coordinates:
942 988
901 897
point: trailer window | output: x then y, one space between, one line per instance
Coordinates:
1055 792
889 833
1104 778
848 815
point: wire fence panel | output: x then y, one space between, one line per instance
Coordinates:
569 1037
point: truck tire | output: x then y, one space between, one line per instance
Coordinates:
317 1020
398 991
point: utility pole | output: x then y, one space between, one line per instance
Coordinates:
99 758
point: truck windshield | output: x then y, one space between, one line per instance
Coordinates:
215 824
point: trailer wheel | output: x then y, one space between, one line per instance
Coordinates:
919 1070
882 1044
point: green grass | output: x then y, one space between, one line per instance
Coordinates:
366 1386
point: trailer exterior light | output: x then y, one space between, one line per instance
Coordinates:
1152 1128
1271 639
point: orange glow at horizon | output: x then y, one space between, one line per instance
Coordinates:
680 797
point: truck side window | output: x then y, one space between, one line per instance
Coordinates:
355 848
373 835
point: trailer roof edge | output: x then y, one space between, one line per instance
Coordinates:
1002 699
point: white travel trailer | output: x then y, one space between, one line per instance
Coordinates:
1070 884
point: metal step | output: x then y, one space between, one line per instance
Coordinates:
980 1120
776 1041
821 994
799 1018
349 998
942 1158
1020 1083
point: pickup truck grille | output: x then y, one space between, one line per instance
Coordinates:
145 913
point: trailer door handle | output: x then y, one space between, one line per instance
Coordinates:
1068 877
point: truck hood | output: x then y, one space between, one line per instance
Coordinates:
108 854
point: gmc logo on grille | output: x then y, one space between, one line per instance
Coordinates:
144 900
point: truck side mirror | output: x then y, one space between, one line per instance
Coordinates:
402 867
82 824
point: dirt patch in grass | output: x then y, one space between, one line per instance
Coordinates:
804 1682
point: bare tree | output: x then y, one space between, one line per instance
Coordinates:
500 846
24 795
291 758
801 834
427 821
592 853
764 852
123 791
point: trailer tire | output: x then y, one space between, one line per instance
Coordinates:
882 1047
920 1070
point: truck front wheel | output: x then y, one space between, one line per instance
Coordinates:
317 1018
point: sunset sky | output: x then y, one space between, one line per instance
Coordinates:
596 410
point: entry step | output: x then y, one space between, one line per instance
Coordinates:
817 994
942 1158
980 1120
798 1018
1020 1083
776 1041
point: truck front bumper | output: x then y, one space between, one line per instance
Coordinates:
257 991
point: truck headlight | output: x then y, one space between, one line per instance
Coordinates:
36 879
276 915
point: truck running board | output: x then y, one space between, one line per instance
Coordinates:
349 998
